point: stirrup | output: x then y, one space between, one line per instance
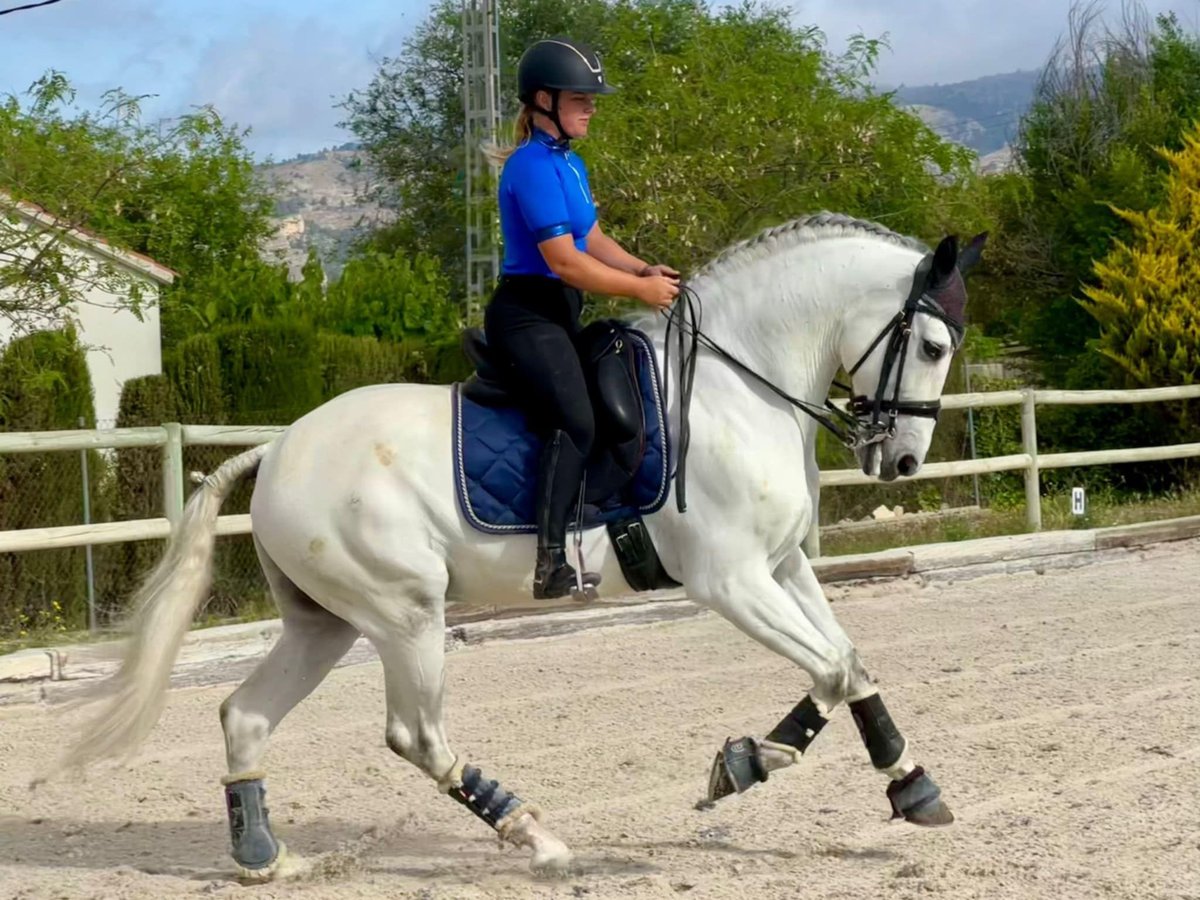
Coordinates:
562 580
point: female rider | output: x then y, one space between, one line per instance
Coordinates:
553 251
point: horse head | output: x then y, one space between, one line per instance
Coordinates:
898 360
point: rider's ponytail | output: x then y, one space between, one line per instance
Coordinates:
522 131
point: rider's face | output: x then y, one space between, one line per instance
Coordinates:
575 110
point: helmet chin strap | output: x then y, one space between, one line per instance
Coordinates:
552 115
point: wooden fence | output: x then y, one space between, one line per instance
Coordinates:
172 438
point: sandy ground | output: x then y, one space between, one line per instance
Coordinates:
1059 712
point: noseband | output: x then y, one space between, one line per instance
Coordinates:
870 420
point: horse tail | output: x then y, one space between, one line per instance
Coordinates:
162 611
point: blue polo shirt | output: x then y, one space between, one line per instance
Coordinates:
544 193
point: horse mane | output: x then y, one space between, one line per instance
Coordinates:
805 230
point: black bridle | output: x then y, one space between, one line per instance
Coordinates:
870 420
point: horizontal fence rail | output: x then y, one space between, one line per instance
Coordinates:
171 438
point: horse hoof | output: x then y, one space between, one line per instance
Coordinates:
915 798
932 815
552 862
589 594
263 874
736 768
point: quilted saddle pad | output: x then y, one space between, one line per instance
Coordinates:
496 459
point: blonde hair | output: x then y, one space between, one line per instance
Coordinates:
522 131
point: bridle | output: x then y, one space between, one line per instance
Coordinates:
897 333
869 420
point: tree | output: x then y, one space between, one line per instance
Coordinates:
386 296
1106 99
184 193
247 289
1147 301
726 121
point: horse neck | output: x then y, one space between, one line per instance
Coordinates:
784 314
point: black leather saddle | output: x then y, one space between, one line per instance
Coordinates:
611 370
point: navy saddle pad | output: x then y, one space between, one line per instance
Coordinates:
496 459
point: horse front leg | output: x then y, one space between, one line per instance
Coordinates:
790 614
913 794
759 606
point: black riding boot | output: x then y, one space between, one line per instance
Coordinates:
562 467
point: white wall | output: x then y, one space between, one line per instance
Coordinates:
119 347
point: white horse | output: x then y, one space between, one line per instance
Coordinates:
358 531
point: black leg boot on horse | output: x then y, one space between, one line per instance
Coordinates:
562 470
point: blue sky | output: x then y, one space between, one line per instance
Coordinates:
279 67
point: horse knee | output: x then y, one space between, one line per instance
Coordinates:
841 679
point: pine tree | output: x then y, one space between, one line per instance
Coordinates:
1148 297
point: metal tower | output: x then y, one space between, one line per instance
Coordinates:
481 103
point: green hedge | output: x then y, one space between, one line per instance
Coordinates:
136 493
349 362
44 386
194 372
257 373
270 371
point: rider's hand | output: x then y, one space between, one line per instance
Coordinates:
659 270
658 291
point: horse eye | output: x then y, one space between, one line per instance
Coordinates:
933 350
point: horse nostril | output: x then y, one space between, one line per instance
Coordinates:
907 465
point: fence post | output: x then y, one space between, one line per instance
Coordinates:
87 520
172 473
1033 489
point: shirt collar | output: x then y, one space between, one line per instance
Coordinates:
548 140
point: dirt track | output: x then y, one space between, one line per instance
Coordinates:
1060 713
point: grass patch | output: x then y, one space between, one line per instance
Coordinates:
1056 516
257 608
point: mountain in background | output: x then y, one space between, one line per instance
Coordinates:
325 196
982 114
325 203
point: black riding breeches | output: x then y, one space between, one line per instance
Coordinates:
531 324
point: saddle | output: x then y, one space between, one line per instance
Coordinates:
610 368
496 445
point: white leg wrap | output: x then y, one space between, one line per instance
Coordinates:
901 767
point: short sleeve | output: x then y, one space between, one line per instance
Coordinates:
536 192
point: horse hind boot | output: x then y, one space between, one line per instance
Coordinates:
255 848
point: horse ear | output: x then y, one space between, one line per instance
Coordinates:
945 258
972 253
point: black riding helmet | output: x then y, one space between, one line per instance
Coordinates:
559 64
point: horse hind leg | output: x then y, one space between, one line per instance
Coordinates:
412 648
312 641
